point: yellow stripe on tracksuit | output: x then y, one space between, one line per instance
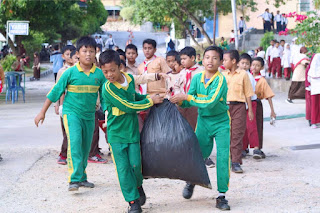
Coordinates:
124 102
83 88
70 164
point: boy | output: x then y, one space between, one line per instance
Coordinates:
275 58
239 93
208 92
56 59
268 56
251 135
173 75
82 81
263 91
171 59
198 59
122 103
131 55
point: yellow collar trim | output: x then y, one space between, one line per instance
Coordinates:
211 79
92 70
119 86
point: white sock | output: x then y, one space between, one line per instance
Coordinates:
221 194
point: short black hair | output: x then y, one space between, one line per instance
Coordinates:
150 41
234 54
246 56
172 53
189 51
214 48
86 41
131 47
108 57
121 52
277 42
178 59
260 60
68 47
123 63
56 47
73 52
99 46
282 40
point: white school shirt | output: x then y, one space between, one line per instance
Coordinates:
253 83
275 53
266 16
242 24
278 18
281 50
285 60
284 20
231 35
268 52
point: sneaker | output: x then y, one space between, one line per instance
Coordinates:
313 126
257 154
86 184
236 168
222 203
97 159
188 191
73 186
263 155
142 198
289 101
62 160
134 207
209 163
244 153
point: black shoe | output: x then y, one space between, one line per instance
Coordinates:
222 203
73 186
309 121
142 199
188 191
134 207
289 101
257 154
86 184
244 153
236 168
209 163
263 155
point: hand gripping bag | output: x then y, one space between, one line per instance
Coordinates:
170 148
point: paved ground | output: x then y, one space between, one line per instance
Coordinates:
31 181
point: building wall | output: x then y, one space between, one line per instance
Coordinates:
111 2
226 22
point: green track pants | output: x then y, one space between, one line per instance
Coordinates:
127 160
79 133
218 128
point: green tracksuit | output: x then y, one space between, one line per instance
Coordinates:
213 121
78 114
122 104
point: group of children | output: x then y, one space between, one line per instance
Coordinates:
218 105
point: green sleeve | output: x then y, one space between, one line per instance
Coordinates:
217 91
59 88
122 103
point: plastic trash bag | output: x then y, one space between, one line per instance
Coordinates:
170 148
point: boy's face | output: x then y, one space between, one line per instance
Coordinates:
211 61
86 55
66 57
111 71
256 67
271 43
74 59
149 50
171 61
228 62
177 67
131 55
282 43
277 45
187 61
244 64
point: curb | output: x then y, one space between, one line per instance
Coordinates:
285 117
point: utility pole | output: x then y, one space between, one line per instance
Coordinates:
234 14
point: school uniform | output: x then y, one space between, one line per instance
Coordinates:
314 78
251 135
122 103
263 91
276 62
285 62
242 26
209 96
268 57
278 19
171 82
239 88
56 59
266 21
79 108
284 23
182 86
308 92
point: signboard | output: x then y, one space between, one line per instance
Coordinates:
18 27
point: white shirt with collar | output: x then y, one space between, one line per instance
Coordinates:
266 16
242 24
278 18
275 53
253 83
268 52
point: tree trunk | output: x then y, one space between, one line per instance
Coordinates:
10 42
196 21
214 20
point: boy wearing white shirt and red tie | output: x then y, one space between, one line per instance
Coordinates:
275 59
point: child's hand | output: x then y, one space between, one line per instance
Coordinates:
163 75
178 98
56 108
157 99
38 118
250 114
273 115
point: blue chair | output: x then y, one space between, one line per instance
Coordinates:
11 86
19 87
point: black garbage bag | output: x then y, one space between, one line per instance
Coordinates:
170 148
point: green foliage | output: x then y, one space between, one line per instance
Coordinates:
7 62
127 13
265 41
33 42
308 31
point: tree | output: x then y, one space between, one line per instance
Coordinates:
127 13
